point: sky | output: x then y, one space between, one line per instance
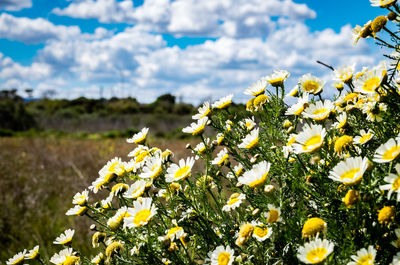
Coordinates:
193 49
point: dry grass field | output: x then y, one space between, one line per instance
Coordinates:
39 176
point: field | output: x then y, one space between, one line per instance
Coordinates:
39 177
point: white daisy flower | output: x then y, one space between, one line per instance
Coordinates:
221 157
261 231
276 79
257 176
298 108
370 81
315 251
65 256
81 198
65 237
17 258
341 121
364 137
98 259
382 3
350 171
113 168
248 124
250 140
238 169
319 111
138 150
140 214
201 147
176 232
223 102
234 201
179 172
364 256
311 84
221 256
33 253
256 88
310 139
115 221
152 167
293 92
388 151
77 210
135 190
393 185
273 215
204 110
140 137
196 128
344 73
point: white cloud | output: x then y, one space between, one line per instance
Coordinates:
15 5
33 31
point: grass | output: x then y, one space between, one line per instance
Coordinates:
39 177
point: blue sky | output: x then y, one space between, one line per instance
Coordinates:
193 49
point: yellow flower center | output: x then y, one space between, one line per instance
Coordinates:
157 171
232 201
261 231
396 184
350 175
141 139
366 260
246 230
182 172
342 142
252 143
66 241
199 130
316 255
313 226
299 111
18 261
313 143
69 260
273 216
351 197
173 230
311 86
291 141
391 153
319 111
365 138
224 258
137 192
257 183
371 84
206 112
142 217
386 214
142 156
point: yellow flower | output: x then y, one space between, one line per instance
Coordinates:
315 251
259 101
349 171
114 248
274 214
378 23
244 234
342 142
386 214
97 238
141 214
311 84
277 78
261 232
313 227
140 137
351 197
388 151
221 256
257 176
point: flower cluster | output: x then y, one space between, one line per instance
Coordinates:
314 182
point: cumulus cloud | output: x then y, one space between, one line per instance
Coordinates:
15 5
193 17
32 31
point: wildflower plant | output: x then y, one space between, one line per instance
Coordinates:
310 183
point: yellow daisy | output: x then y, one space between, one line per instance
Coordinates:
313 227
311 84
250 140
177 172
273 215
257 88
261 232
257 176
350 171
388 151
140 214
310 139
315 251
319 111
364 256
221 256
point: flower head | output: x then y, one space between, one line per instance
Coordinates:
364 256
81 198
383 3
386 214
393 185
223 102
350 171
319 111
136 189
196 128
221 157
256 88
313 227
33 253
140 137
311 84
257 176
17 258
276 79
388 151
344 73
261 231
65 237
273 215
234 201
204 111
64 257
315 251
179 171
221 256
364 137
141 214
310 139
250 140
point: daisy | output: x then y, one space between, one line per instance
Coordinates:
383 3
364 137
250 140
203 111
196 128
118 189
141 213
351 197
77 210
310 139
65 237
234 201
81 198
244 234
17 259
140 137
364 256
98 259
257 88
361 32
370 81
273 215
97 238
261 231
238 169
315 251
138 150
293 92
221 256
298 108
115 221
319 111
393 185
387 151
223 102
65 256
257 176
386 215
248 124
344 73
113 168
135 190
179 172
201 147
313 227
33 253
311 84
219 138
396 259
221 157
152 168
341 121
277 78
350 171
